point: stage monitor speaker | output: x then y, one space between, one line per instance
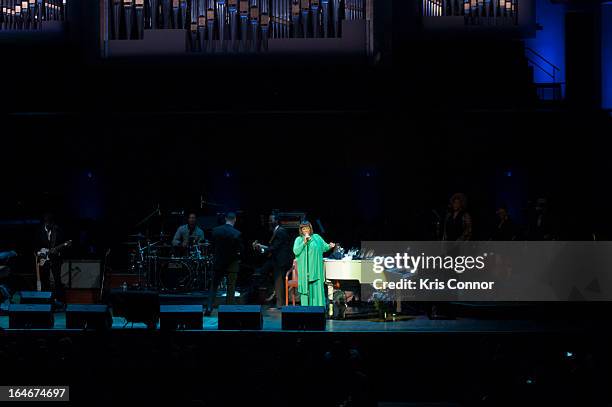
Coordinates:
240 317
81 273
36 297
173 317
136 305
27 316
88 316
303 318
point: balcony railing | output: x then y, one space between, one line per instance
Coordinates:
474 12
235 26
23 15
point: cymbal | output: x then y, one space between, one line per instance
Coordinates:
137 236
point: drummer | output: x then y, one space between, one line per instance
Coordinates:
188 234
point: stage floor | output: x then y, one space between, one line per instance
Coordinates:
416 324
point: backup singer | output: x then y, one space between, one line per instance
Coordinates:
458 222
308 249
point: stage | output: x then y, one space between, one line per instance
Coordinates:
364 324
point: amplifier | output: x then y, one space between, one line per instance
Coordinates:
81 273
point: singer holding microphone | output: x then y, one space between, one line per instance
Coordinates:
308 249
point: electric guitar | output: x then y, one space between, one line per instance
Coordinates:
43 256
259 248
44 253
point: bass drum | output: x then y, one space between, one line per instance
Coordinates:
175 274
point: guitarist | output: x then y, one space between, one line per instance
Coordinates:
280 257
49 235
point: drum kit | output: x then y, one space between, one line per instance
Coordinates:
160 265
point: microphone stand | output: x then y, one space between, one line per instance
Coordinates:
307 279
156 211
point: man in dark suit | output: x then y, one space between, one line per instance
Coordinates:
228 246
50 236
280 257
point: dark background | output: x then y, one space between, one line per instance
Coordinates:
364 175
371 147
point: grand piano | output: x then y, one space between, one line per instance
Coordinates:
353 275
359 275
360 270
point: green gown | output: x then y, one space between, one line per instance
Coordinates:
311 274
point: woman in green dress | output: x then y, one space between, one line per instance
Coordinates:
308 249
